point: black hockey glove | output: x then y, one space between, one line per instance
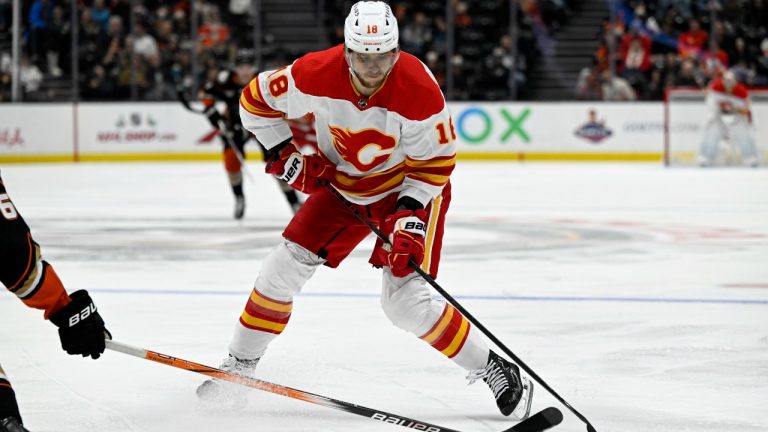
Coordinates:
81 328
9 409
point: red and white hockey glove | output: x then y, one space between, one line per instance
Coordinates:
305 173
406 230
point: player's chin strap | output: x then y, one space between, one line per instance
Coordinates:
537 422
430 280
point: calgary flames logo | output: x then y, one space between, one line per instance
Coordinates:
365 148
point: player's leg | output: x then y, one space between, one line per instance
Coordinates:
10 418
408 304
739 132
322 232
713 134
235 175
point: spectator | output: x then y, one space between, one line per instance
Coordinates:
144 44
30 78
39 15
214 34
416 34
761 65
616 88
692 42
688 76
588 86
100 14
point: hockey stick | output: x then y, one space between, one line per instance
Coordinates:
416 267
537 422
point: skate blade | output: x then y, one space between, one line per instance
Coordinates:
523 409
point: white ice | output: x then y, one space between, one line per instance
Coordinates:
639 293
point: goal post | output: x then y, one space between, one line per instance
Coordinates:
685 119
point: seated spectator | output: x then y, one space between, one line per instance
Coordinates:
416 34
615 88
213 33
100 14
761 65
687 77
588 85
691 43
30 78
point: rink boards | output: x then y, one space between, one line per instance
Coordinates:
583 131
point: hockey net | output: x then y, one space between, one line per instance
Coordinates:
686 117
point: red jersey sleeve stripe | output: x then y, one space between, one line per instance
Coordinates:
253 102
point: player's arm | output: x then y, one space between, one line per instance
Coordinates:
34 281
430 147
267 101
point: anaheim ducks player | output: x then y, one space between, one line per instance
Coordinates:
728 100
33 280
226 88
387 144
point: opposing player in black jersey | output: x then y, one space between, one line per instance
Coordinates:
226 88
32 279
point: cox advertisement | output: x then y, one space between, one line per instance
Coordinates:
589 131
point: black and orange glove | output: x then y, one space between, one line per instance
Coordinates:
406 230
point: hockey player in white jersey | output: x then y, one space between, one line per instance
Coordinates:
728 102
386 144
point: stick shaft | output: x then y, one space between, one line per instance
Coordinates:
372 414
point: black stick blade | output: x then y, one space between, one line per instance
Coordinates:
542 420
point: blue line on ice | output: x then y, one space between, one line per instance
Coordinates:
460 297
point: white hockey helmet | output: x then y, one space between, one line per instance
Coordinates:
370 27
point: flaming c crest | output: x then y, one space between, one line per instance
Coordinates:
365 149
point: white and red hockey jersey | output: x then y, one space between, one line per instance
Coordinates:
720 101
399 139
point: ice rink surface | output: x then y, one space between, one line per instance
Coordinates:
639 293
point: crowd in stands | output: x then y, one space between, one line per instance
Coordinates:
652 45
484 61
145 56
121 54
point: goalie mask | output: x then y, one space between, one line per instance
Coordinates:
371 41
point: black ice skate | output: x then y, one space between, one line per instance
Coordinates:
239 207
512 391
225 394
11 424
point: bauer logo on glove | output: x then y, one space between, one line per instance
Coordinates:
293 166
407 231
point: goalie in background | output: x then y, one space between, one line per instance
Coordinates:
731 117
34 282
225 87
